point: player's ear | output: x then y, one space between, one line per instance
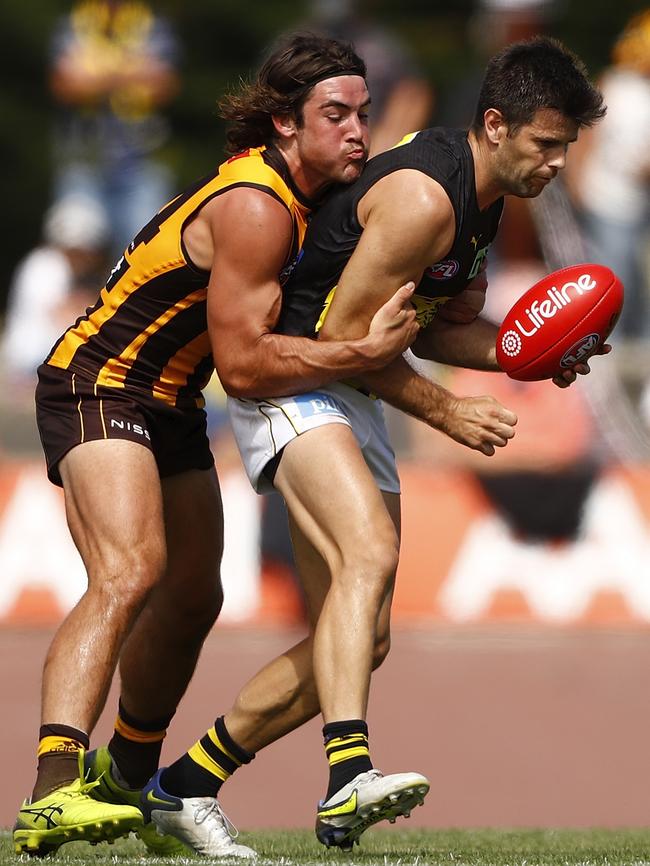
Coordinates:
284 124
495 126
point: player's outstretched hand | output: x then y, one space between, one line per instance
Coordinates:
480 423
394 325
568 377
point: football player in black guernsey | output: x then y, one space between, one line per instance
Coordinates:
425 211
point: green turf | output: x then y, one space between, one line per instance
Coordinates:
394 848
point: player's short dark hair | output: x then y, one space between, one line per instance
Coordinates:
282 85
538 73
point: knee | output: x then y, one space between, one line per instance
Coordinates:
125 578
370 566
201 612
193 600
380 553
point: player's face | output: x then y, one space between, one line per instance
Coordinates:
333 138
528 160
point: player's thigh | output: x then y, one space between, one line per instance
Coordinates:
194 528
331 494
114 508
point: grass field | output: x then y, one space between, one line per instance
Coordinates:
393 848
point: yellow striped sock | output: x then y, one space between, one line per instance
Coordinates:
344 748
210 753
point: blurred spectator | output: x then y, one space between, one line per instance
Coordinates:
611 181
402 100
112 68
53 285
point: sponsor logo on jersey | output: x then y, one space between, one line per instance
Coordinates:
443 270
556 300
580 351
120 268
426 308
478 258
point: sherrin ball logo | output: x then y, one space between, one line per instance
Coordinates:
580 351
559 322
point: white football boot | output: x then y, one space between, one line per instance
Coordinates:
199 822
370 797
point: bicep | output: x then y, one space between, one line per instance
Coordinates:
405 231
251 236
369 278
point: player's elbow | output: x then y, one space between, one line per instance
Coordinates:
246 382
236 379
234 388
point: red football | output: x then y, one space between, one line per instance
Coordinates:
559 322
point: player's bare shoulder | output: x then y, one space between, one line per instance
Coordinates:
253 211
409 194
414 210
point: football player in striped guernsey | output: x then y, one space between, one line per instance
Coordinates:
121 419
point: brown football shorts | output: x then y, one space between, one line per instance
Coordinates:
71 410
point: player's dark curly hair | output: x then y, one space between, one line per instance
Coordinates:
282 85
538 73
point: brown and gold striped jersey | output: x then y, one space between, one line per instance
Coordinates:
148 330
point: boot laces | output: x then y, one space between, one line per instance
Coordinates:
79 786
213 812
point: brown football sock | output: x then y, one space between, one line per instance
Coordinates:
58 758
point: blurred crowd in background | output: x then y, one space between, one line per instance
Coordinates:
113 109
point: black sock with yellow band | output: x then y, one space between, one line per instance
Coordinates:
346 747
202 770
136 745
58 758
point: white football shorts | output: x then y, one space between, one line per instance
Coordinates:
262 428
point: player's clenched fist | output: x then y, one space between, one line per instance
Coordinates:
480 423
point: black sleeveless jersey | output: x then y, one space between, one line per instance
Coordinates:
333 233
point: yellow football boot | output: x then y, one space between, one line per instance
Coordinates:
70 814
